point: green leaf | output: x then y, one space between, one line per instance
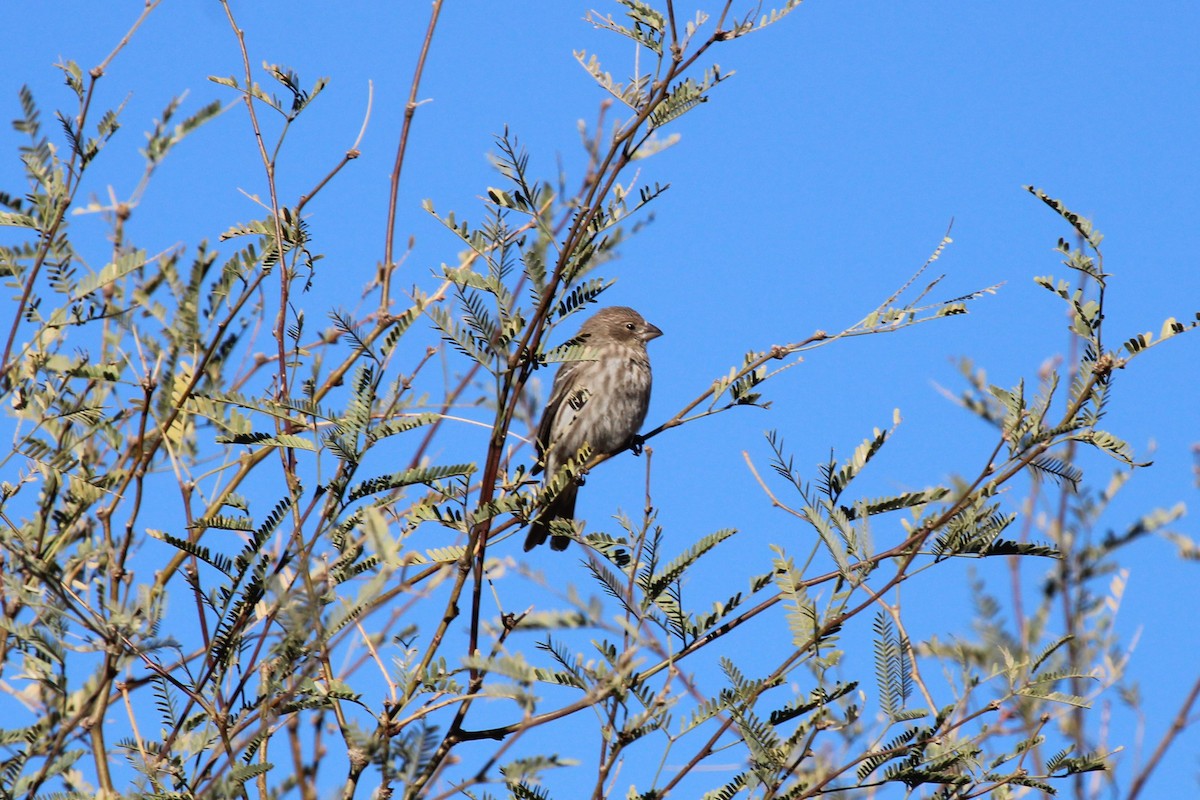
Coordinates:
268 440
110 274
18 220
803 620
654 586
1082 225
408 477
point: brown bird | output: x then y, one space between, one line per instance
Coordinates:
602 402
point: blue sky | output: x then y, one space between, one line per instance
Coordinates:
819 177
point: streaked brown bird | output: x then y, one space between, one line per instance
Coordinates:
602 402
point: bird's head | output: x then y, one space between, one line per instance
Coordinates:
620 324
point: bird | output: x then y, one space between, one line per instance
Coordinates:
601 402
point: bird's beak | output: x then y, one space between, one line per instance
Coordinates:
650 332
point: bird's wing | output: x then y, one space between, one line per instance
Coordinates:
564 384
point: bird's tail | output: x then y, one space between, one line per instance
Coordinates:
561 507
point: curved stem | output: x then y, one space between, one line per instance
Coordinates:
410 109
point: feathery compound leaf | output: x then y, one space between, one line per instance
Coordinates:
1151 522
633 94
401 324
1014 412
506 504
973 531
362 396
292 410
654 586
478 317
761 740
271 523
1137 344
896 748
817 698
216 560
669 602
160 141
509 666
1059 471
581 295
17 220
223 522
1082 225
882 505
444 555
731 789
1089 762
893 671
478 241
1107 443
268 440
707 710
402 423
344 324
28 124
533 259
1007 547
524 769
477 349
1048 651
686 95
521 791
408 477
833 534
109 274
573 670
572 350
836 480
650 26
615 550
1056 697
803 620
612 583
703 624
750 25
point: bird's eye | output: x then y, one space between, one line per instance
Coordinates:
630 326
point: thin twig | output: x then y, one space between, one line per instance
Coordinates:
1178 725
410 109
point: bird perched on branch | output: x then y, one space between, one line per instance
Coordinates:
601 402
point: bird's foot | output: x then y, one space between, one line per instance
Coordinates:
636 443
